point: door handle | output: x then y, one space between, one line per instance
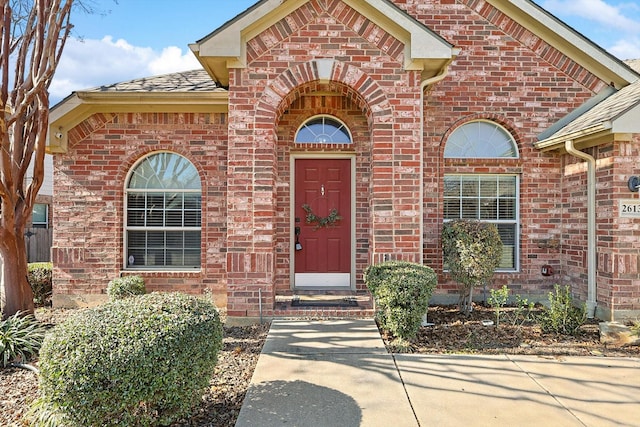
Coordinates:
298 244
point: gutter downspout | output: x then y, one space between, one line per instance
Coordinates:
444 72
591 225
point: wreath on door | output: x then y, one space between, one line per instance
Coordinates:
320 221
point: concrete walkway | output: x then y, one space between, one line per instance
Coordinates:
338 373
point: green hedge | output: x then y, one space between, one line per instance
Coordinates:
144 360
126 286
40 279
402 291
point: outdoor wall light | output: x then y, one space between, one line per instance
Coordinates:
634 183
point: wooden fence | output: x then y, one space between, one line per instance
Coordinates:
38 242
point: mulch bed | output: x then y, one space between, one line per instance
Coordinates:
453 332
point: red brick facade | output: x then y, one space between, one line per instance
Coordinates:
327 58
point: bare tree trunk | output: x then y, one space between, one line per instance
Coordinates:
18 296
32 38
465 300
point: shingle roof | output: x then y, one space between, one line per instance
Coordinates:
184 81
634 64
606 111
602 114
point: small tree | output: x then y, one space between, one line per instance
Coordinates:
472 251
32 37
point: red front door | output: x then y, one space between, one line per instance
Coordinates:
322 222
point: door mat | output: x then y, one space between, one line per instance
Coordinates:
333 302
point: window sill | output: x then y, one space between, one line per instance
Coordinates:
161 272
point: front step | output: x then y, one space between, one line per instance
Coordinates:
314 305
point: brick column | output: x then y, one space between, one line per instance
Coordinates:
396 193
250 208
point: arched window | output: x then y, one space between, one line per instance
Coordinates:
485 197
480 140
323 130
163 214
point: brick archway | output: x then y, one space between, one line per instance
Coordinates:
252 196
308 77
386 127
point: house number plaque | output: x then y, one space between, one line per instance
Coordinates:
629 208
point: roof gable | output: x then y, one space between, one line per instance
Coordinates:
225 48
568 41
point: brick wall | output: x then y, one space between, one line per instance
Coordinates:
89 196
368 73
618 238
498 77
504 74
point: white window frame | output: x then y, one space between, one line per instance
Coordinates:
515 222
497 128
147 228
343 126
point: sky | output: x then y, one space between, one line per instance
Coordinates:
128 39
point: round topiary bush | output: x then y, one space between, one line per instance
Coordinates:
402 291
126 286
144 360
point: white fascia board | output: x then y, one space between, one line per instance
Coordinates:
557 142
64 107
228 42
80 105
425 44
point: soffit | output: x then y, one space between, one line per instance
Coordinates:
225 48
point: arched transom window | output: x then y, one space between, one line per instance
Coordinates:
480 140
163 213
323 130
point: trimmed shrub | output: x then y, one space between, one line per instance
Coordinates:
472 251
127 286
137 361
562 316
402 291
20 338
40 278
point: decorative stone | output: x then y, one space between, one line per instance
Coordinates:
617 334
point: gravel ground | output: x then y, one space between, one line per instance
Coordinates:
220 405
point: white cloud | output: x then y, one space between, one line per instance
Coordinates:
598 11
626 49
89 63
171 59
